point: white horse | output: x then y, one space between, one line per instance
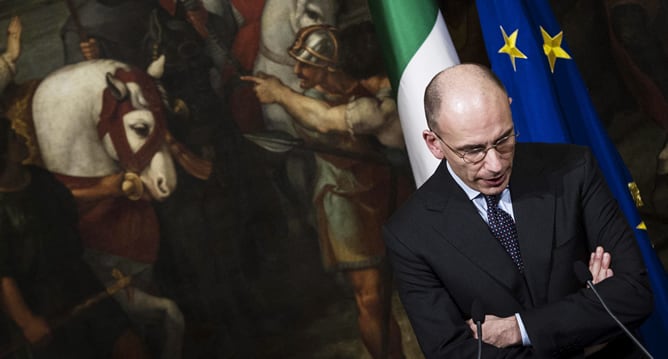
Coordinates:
101 117
281 19
67 110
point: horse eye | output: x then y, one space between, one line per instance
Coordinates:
141 129
312 15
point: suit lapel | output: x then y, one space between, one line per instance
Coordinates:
463 228
533 207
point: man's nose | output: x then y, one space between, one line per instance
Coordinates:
493 161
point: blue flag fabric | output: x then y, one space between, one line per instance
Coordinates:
525 46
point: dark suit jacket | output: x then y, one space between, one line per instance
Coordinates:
444 257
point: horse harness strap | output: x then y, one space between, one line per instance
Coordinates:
111 120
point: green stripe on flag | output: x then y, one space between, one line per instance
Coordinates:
402 26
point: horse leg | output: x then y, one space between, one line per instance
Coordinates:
149 310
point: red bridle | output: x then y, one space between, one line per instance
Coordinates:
111 120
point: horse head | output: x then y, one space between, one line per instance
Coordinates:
100 117
133 129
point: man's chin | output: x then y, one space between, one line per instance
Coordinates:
493 186
492 191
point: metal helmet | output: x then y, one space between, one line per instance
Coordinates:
316 45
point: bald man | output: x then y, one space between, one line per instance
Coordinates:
502 223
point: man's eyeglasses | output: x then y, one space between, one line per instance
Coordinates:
475 155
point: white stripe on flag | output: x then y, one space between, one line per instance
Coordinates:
436 53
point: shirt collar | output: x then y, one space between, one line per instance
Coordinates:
470 192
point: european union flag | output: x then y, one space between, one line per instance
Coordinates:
527 50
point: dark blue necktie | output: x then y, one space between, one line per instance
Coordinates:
503 228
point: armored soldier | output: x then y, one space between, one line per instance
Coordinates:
352 193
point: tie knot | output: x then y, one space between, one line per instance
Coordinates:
492 201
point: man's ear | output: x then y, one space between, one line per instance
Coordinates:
433 143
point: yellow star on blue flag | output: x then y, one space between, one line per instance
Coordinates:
552 47
642 226
510 47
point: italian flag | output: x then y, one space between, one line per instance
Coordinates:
416 46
